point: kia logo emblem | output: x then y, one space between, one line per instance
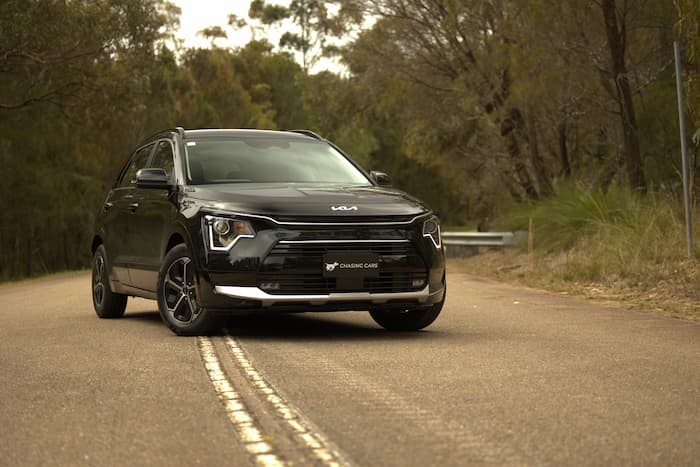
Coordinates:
343 208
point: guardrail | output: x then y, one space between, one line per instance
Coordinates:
458 242
479 238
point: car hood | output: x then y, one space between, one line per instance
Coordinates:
288 201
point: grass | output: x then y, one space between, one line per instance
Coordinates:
612 245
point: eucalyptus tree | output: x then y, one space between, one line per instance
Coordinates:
457 53
553 86
70 73
688 31
317 25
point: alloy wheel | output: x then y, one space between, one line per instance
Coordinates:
98 286
179 291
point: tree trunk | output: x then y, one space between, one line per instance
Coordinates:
564 151
509 124
543 178
616 34
510 184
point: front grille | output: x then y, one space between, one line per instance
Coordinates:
350 220
317 250
296 268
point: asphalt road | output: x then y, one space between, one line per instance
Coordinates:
506 376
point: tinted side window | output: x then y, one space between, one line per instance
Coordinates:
163 158
137 162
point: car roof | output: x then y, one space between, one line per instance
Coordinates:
302 135
245 133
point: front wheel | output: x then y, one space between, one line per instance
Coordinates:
410 319
177 295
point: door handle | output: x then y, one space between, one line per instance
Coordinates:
133 206
107 206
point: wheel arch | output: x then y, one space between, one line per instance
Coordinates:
187 235
175 239
96 242
180 231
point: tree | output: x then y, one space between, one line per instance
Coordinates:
213 33
551 89
213 95
73 74
457 52
49 48
274 81
616 31
688 30
317 25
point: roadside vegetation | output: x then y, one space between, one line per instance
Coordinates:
474 107
612 245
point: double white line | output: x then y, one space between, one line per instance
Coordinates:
248 431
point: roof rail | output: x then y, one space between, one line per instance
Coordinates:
180 131
307 133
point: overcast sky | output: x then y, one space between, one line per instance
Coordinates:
199 14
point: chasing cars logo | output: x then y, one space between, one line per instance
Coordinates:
330 267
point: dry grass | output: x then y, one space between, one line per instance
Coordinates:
610 246
675 292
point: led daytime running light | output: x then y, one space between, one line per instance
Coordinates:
431 230
224 232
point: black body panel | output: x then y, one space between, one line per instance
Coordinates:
300 231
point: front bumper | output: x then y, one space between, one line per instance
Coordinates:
280 269
421 297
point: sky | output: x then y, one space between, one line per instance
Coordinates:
199 14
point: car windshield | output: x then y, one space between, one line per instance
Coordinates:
267 160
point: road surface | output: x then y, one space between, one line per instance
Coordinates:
505 376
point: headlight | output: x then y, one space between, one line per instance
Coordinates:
224 232
431 229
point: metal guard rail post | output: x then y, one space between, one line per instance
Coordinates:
478 238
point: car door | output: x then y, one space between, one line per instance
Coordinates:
150 220
120 206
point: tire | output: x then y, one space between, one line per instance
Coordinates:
410 319
177 295
107 303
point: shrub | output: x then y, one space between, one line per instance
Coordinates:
612 236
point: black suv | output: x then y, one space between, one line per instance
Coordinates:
211 222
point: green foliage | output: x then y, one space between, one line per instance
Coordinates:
573 211
688 31
274 82
50 48
213 33
70 72
650 248
471 106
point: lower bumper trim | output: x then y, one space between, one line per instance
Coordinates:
255 293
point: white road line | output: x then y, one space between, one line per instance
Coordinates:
319 446
247 430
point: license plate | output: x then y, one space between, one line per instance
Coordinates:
351 264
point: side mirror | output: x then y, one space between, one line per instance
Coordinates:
380 178
152 178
